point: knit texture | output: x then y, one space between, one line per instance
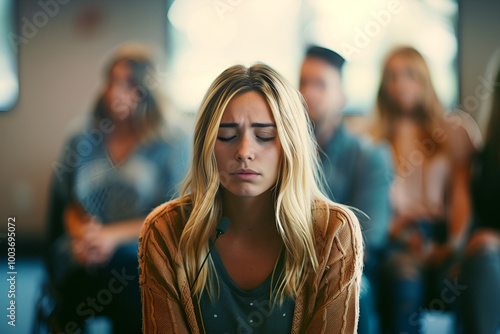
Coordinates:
327 303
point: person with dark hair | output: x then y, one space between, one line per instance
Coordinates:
327 55
356 172
480 272
109 177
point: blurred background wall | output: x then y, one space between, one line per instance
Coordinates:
61 68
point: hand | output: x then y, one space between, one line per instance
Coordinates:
397 229
406 232
483 238
438 254
75 219
91 242
94 243
99 243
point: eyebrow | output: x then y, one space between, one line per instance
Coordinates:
254 125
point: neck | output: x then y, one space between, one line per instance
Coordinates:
122 128
250 216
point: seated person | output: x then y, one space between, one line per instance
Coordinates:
290 260
109 177
429 193
356 172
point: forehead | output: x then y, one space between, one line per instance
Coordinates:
314 66
248 106
398 62
120 70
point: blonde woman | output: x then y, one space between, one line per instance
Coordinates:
290 260
429 194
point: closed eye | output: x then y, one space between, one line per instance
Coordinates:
266 139
226 138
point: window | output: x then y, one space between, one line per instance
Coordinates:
9 76
205 37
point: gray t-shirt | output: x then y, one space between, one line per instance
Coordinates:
238 311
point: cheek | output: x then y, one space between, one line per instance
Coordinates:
320 95
416 90
275 157
222 161
312 93
224 158
390 87
334 98
219 156
396 91
277 163
277 167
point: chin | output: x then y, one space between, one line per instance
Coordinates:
245 192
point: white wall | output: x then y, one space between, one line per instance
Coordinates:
60 74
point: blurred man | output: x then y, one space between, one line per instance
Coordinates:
356 172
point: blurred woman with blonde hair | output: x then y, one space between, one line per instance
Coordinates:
429 193
289 261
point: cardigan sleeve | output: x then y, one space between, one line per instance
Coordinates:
162 307
337 303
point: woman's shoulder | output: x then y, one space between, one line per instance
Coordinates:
330 217
158 243
334 221
167 220
338 238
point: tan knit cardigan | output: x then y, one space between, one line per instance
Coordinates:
328 302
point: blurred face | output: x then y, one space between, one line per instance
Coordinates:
402 84
121 96
320 84
248 150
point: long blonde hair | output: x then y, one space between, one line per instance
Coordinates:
295 191
428 113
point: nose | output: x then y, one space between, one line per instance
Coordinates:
245 150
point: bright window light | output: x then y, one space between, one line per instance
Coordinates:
206 37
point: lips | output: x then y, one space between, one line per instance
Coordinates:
245 174
245 171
